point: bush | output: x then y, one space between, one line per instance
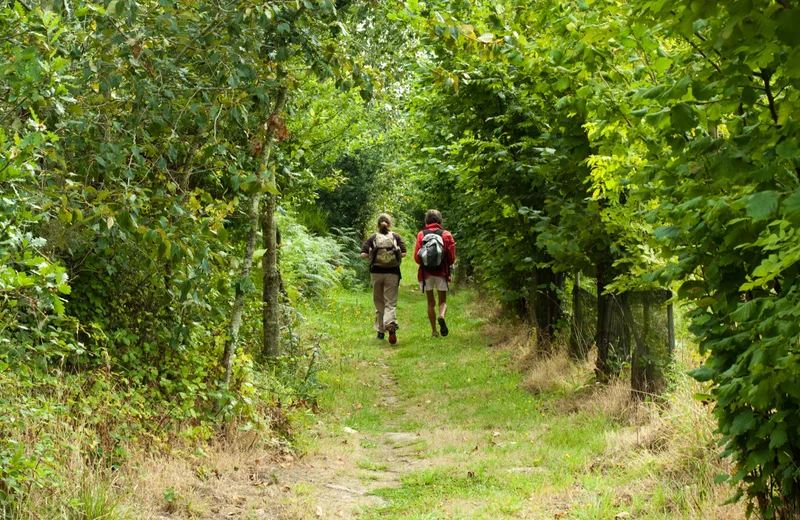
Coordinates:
310 264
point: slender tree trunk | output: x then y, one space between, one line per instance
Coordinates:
271 347
544 305
671 328
645 373
577 345
640 353
253 214
602 369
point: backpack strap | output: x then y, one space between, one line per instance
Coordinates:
422 266
373 252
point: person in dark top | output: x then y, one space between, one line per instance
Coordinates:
385 250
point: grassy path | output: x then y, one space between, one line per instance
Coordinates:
442 428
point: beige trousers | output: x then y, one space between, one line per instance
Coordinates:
384 295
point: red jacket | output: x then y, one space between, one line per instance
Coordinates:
449 252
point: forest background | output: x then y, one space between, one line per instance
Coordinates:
154 154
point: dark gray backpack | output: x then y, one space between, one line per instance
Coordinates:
431 252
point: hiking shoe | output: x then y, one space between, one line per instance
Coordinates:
443 326
392 334
380 335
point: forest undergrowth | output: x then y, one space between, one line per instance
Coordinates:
475 425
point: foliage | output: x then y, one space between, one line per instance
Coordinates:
728 186
128 146
310 263
645 144
351 203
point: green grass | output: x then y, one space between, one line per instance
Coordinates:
488 448
372 466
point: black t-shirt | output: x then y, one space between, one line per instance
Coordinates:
369 245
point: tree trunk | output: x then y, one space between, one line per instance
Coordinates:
642 376
271 347
253 215
602 368
671 329
545 305
577 345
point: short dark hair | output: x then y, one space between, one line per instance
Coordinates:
433 217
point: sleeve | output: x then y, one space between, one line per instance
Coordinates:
416 248
368 245
451 248
400 243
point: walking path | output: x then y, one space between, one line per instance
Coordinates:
443 428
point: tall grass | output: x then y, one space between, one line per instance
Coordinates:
669 443
96 500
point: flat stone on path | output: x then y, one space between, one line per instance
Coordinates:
401 437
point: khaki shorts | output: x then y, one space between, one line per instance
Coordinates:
435 282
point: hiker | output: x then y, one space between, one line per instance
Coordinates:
435 252
385 250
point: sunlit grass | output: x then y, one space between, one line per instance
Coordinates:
494 450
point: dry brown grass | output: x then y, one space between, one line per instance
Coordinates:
673 434
234 474
226 472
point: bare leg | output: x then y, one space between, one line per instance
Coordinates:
432 310
443 329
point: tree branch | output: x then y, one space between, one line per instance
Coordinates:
703 54
767 77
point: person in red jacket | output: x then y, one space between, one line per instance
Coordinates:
435 252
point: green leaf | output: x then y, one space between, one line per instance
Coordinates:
656 119
763 205
791 204
745 311
787 148
744 421
788 24
779 436
683 117
721 479
667 233
784 112
258 253
701 91
792 64
486 37
271 187
692 289
662 64
703 374
654 92
58 306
